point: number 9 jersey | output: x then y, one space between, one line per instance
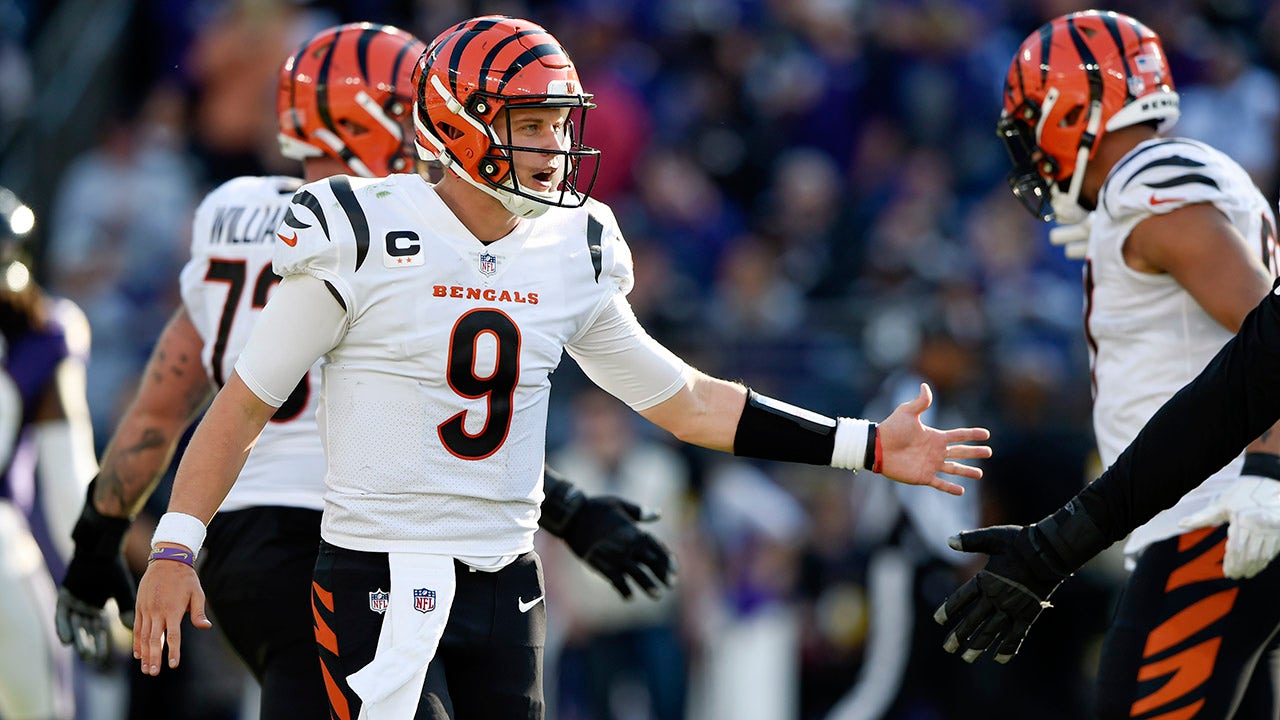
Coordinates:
225 285
434 403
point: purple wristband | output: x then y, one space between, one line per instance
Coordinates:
182 555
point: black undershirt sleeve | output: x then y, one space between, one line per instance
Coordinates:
561 500
1198 431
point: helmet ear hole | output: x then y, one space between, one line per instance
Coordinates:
448 130
1072 117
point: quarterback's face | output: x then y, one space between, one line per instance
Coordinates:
537 129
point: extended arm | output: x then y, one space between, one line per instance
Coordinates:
619 356
1199 430
726 416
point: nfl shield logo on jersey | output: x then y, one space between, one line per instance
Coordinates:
488 264
378 601
424 600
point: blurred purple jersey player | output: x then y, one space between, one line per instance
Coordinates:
48 460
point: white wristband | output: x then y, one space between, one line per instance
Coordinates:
181 529
850 452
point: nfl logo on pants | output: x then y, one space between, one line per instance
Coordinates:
424 600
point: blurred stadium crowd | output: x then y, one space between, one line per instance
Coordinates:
815 198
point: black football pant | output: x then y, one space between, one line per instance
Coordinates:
256 569
1187 642
489 662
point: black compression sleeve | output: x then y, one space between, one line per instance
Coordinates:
1199 430
772 430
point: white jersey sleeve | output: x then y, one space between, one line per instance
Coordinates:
300 324
618 355
613 350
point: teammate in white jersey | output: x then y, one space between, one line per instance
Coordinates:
1180 247
344 98
440 312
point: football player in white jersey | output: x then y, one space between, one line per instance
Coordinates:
1180 247
344 104
440 312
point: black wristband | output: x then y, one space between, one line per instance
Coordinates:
95 534
1262 464
773 430
562 501
1072 535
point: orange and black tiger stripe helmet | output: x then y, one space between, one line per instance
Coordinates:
1076 78
468 76
347 93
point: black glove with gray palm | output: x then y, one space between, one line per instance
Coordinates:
995 609
603 532
95 574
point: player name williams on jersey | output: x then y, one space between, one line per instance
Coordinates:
448 350
248 210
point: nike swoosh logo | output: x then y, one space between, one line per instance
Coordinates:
527 606
1161 201
288 241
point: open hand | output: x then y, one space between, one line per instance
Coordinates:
914 453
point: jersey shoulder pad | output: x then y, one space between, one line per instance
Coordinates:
1161 175
325 231
609 250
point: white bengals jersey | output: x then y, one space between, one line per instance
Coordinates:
434 404
1147 335
224 287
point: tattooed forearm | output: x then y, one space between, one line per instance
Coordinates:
130 471
174 388
184 376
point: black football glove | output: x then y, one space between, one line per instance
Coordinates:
603 532
96 572
995 609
